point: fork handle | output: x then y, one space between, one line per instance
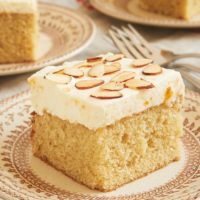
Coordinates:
186 55
186 66
181 56
191 79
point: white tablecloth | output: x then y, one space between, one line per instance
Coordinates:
178 40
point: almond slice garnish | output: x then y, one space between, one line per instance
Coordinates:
114 58
87 84
94 59
114 67
96 63
113 86
82 64
152 69
75 72
106 95
57 70
138 84
123 76
141 62
58 78
96 71
60 72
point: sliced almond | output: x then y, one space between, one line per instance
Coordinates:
96 71
82 64
123 76
94 59
75 72
58 78
116 64
141 62
113 86
57 70
138 84
106 95
87 84
114 67
152 69
115 57
33 113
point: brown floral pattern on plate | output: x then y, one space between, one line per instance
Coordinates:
20 179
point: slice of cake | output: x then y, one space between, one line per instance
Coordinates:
107 120
185 9
19 30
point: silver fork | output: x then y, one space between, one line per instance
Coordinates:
172 56
133 45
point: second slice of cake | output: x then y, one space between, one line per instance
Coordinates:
18 30
184 9
108 120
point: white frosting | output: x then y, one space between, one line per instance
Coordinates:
69 103
18 6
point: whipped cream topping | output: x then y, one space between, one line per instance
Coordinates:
18 6
77 106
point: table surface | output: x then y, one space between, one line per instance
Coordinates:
178 40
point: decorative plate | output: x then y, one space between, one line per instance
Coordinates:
129 10
63 33
22 176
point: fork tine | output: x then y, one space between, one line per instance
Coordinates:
132 50
143 41
141 49
119 44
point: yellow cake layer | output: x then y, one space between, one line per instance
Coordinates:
112 156
185 9
193 8
18 36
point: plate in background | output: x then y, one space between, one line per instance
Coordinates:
63 34
129 10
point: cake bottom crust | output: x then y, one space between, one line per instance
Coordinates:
112 156
44 159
